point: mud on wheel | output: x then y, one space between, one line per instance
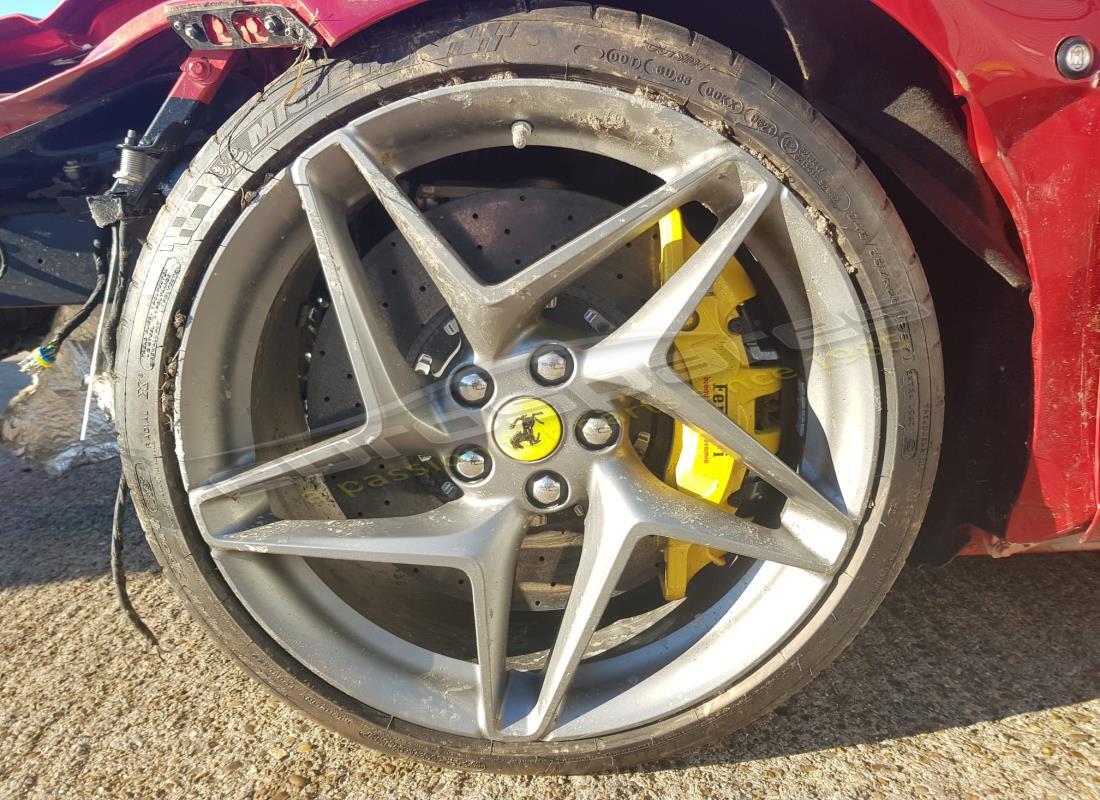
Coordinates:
544 390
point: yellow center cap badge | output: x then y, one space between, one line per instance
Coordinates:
527 429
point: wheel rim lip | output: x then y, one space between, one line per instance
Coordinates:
447 688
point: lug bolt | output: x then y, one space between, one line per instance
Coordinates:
472 386
471 463
521 133
597 430
547 489
551 365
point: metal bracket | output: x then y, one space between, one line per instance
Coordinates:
145 159
231 26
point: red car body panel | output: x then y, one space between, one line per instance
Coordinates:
102 38
1037 136
1035 133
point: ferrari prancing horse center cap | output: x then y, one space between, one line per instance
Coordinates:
527 429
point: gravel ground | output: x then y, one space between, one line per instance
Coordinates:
977 680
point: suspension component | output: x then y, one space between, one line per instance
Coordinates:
145 159
134 165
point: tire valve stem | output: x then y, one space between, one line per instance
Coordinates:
521 132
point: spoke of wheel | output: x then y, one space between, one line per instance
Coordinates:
390 389
480 540
490 315
670 394
608 541
665 511
460 288
529 290
491 581
628 503
643 341
635 357
332 455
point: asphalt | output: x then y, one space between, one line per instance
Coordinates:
980 679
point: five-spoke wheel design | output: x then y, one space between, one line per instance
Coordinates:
525 424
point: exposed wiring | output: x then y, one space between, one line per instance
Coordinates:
110 342
44 356
94 366
118 570
300 62
110 278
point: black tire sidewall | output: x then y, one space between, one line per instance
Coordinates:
617 49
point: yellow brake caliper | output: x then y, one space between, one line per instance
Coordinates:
713 358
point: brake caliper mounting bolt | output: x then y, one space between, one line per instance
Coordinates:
551 365
471 463
597 430
472 386
547 489
521 132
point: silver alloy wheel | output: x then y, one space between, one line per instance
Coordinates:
263 545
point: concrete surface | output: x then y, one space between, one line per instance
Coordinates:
12 381
43 421
977 680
